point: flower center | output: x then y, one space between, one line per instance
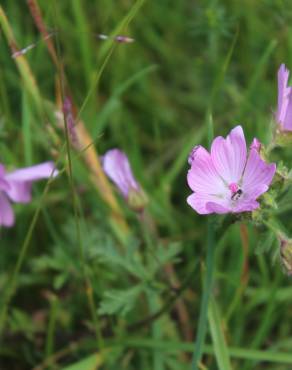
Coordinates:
233 187
236 192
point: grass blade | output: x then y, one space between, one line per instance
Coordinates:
235 352
220 347
202 326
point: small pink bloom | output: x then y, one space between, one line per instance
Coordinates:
284 111
117 167
255 144
228 179
16 186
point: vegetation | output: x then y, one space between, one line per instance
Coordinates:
86 282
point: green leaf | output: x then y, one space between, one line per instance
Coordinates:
235 352
119 301
220 346
162 255
131 261
265 243
91 362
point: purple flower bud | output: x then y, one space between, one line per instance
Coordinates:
16 186
284 110
256 144
286 253
117 167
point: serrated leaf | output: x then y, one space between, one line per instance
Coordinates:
131 261
119 301
162 255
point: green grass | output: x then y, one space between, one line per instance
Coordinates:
87 283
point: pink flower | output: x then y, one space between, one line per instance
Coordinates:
117 167
16 187
227 179
284 111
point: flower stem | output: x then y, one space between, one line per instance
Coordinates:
202 326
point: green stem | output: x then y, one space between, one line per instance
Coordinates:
202 326
75 201
49 349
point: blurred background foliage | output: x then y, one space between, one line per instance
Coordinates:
100 293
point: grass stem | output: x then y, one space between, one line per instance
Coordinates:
202 326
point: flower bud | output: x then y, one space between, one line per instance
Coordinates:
286 254
284 109
283 116
137 200
256 144
117 167
283 138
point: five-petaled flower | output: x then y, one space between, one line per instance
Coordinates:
16 187
284 111
227 179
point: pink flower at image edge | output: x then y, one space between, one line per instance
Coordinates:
284 110
16 187
228 179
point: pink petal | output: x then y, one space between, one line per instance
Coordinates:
205 203
33 173
4 186
256 173
6 212
283 91
20 181
202 176
2 170
248 202
217 208
19 192
246 206
257 191
287 121
117 167
229 155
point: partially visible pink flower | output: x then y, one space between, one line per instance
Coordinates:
227 179
117 167
255 144
16 187
284 111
